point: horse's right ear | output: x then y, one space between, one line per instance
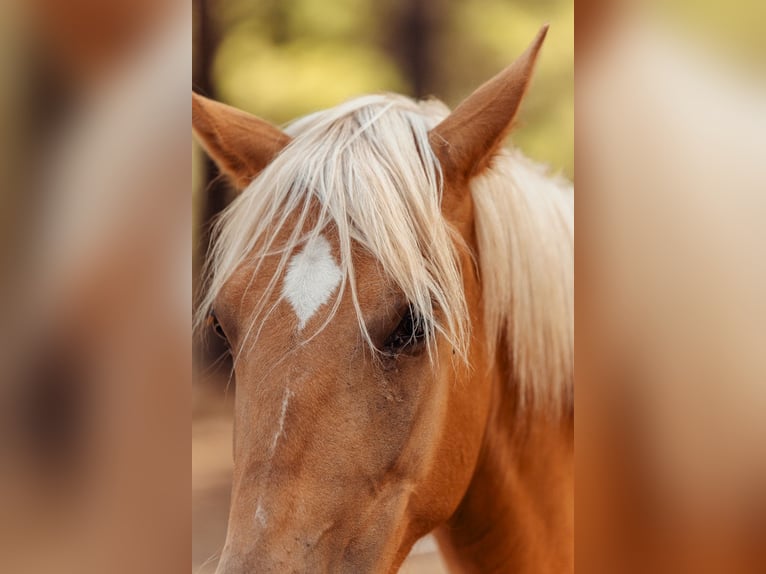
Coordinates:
241 145
466 140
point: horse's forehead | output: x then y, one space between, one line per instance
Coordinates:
306 279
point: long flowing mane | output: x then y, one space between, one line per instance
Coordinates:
525 231
369 171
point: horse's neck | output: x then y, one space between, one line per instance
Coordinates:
518 513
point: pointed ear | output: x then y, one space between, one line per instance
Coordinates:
465 140
239 143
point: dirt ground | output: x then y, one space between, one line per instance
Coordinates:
211 475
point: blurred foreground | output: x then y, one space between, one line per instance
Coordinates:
671 273
95 363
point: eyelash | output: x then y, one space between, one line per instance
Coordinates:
409 334
215 324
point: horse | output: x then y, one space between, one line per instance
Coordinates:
396 292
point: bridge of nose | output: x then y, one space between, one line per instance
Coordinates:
323 546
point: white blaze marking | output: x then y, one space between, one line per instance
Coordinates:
282 414
312 276
260 515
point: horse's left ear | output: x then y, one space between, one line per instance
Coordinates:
241 145
465 140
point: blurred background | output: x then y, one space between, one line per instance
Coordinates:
95 266
670 314
281 59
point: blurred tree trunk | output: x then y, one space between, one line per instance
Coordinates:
414 28
214 190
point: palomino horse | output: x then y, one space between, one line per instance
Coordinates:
397 294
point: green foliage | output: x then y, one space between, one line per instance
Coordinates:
283 58
282 82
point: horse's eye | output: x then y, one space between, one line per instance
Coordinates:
215 324
409 334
